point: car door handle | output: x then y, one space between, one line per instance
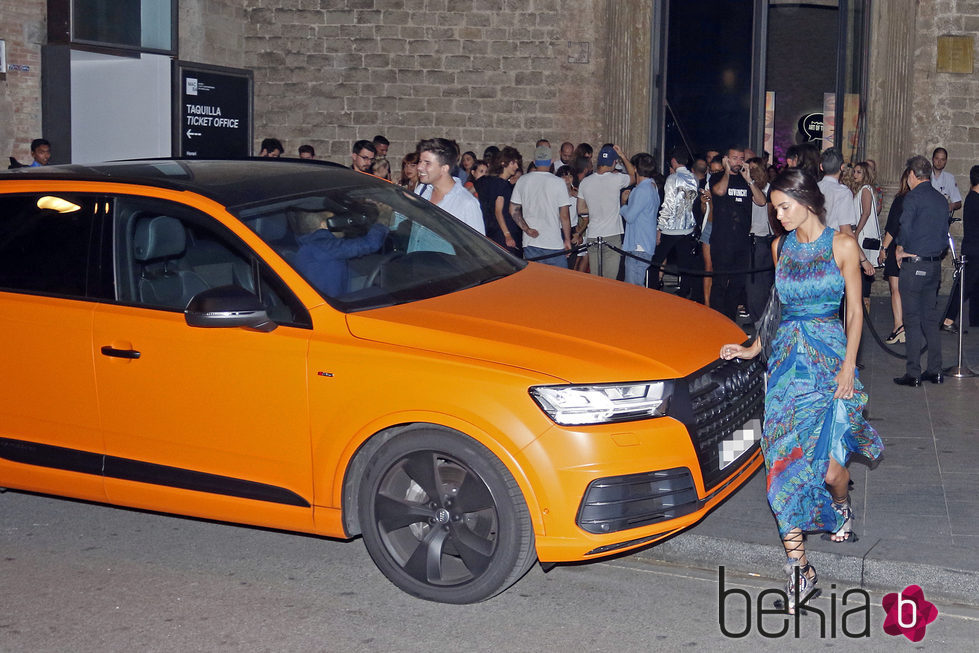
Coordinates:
119 353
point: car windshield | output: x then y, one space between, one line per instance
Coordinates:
370 243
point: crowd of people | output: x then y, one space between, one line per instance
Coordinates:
706 219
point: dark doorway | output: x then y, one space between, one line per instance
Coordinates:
708 74
801 67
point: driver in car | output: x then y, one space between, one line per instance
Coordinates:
323 253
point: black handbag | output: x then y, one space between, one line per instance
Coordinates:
871 243
767 324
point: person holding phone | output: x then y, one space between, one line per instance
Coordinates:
733 192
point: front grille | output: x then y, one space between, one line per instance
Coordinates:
616 503
714 403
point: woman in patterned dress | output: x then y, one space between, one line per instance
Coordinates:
814 400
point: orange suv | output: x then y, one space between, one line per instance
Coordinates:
301 346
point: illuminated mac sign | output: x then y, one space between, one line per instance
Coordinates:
811 126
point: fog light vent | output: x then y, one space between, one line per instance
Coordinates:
618 503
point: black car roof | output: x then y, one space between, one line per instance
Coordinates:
229 182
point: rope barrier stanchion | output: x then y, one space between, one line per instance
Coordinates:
601 255
960 370
678 271
880 341
601 243
565 253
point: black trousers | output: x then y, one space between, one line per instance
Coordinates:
688 257
971 281
918 284
726 291
759 284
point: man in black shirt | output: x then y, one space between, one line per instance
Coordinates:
920 243
730 242
970 251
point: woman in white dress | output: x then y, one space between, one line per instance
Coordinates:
868 226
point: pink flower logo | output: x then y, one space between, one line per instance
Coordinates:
908 613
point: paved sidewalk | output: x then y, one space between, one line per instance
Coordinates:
917 513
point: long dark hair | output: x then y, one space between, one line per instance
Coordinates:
905 189
806 156
800 186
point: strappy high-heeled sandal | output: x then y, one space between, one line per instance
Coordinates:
802 576
844 533
897 335
801 581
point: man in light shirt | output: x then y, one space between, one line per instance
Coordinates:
539 206
841 212
436 183
598 201
944 181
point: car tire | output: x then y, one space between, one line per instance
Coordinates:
443 519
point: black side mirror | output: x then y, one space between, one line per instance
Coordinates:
227 306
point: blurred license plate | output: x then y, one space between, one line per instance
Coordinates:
740 441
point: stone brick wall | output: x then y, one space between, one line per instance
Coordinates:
945 109
939 109
23 27
946 113
212 32
484 72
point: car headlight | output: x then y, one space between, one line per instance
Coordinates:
596 404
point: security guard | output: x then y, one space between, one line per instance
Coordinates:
920 244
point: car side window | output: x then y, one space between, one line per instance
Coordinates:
45 244
167 253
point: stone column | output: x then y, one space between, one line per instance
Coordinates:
627 87
890 90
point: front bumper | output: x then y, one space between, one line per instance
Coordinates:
634 483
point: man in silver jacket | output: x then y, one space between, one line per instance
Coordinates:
676 226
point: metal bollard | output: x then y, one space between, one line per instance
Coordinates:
961 371
601 254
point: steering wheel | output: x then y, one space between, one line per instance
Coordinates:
380 265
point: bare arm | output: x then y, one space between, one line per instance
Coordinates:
900 255
848 255
582 215
500 220
775 243
565 216
865 264
865 203
884 244
734 350
757 196
517 214
720 188
579 231
629 168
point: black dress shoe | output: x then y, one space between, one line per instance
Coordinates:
936 377
952 328
908 380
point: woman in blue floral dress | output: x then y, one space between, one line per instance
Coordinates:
814 401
